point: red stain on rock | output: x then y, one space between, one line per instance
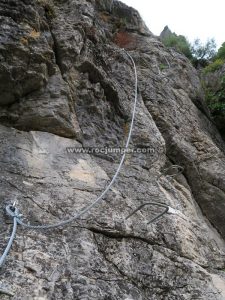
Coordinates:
125 40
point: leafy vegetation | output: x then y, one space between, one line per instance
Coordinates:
214 66
216 98
221 52
217 61
205 58
180 43
202 51
162 67
199 53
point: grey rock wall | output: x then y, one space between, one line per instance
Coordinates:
214 85
66 82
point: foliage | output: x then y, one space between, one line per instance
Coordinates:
180 43
216 99
199 53
214 66
215 96
221 52
204 56
162 67
202 51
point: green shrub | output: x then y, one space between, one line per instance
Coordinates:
162 67
217 107
221 52
180 43
216 99
201 55
214 66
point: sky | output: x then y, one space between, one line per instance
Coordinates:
193 19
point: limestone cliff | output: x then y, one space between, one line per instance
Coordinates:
214 86
66 82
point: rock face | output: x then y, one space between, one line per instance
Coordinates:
165 33
214 85
66 82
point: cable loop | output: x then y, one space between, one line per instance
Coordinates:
12 211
